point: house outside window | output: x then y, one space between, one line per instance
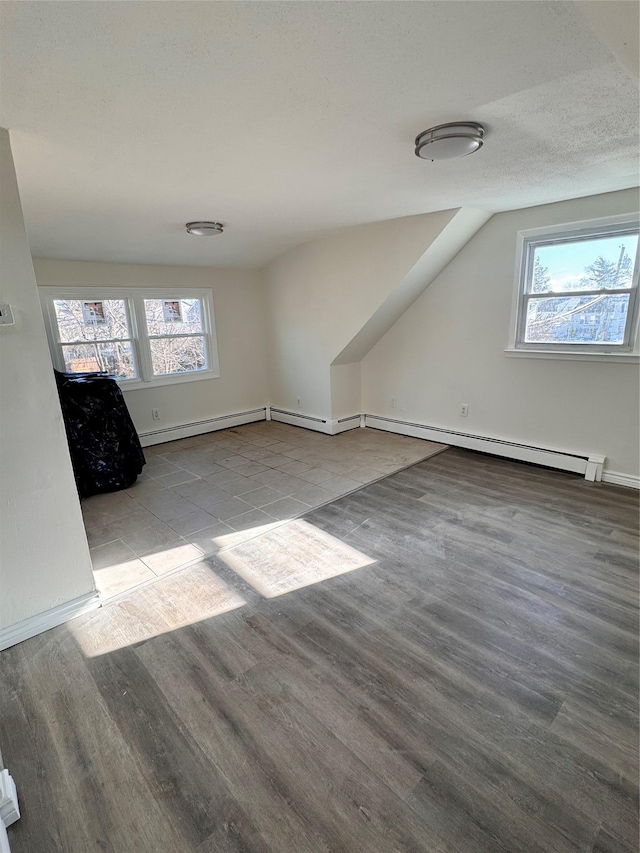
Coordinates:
577 290
142 337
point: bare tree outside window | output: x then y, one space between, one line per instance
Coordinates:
580 291
95 339
142 337
175 336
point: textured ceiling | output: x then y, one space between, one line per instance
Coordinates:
283 120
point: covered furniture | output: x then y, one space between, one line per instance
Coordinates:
105 449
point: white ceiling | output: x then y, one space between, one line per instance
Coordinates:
283 120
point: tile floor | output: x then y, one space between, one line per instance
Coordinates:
200 494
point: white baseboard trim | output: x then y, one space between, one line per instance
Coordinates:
27 628
343 424
326 425
159 436
282 416
4 839
9 809
631 481
589 466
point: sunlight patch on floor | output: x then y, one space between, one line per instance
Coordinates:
237 537
174 602
119 575
273 559
292 556
214 491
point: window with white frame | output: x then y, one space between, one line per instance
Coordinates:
141 337
578 290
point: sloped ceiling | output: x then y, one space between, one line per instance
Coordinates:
617 27
283 120
463 224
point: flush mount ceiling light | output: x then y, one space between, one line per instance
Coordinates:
445 141
204 229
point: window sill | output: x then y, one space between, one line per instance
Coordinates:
139 384
561 355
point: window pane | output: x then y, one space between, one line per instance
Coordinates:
173 316
595 264
177 355
577 319
115 357
91 319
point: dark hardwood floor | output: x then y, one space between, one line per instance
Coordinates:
474 688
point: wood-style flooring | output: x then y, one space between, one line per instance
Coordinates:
470 684
196 492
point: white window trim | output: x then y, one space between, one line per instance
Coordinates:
572 352
134 300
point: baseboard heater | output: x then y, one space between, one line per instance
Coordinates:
158 436
296 416
589 466
325 425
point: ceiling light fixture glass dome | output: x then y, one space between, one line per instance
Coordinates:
446 141
204 229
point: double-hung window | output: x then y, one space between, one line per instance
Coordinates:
142 337
175 330
578 290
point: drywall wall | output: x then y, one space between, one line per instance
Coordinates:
238 299
44 557
322 295
345 390
448 349
440 251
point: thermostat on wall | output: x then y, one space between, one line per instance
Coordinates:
6 315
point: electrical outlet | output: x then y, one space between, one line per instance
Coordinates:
464 410
299 400
6 315
155 414
394 402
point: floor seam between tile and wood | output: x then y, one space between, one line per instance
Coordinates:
187 487
444 660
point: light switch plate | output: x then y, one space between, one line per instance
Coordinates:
6 315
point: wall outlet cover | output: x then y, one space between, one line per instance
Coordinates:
6 315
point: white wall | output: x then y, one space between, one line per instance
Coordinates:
320 295
345 390
238 298
448 348
44 557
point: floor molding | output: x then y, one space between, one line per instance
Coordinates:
590 466
159 436
618 479
327 426
27 628
4 839
9 809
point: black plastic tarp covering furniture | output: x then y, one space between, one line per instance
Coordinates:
105 449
